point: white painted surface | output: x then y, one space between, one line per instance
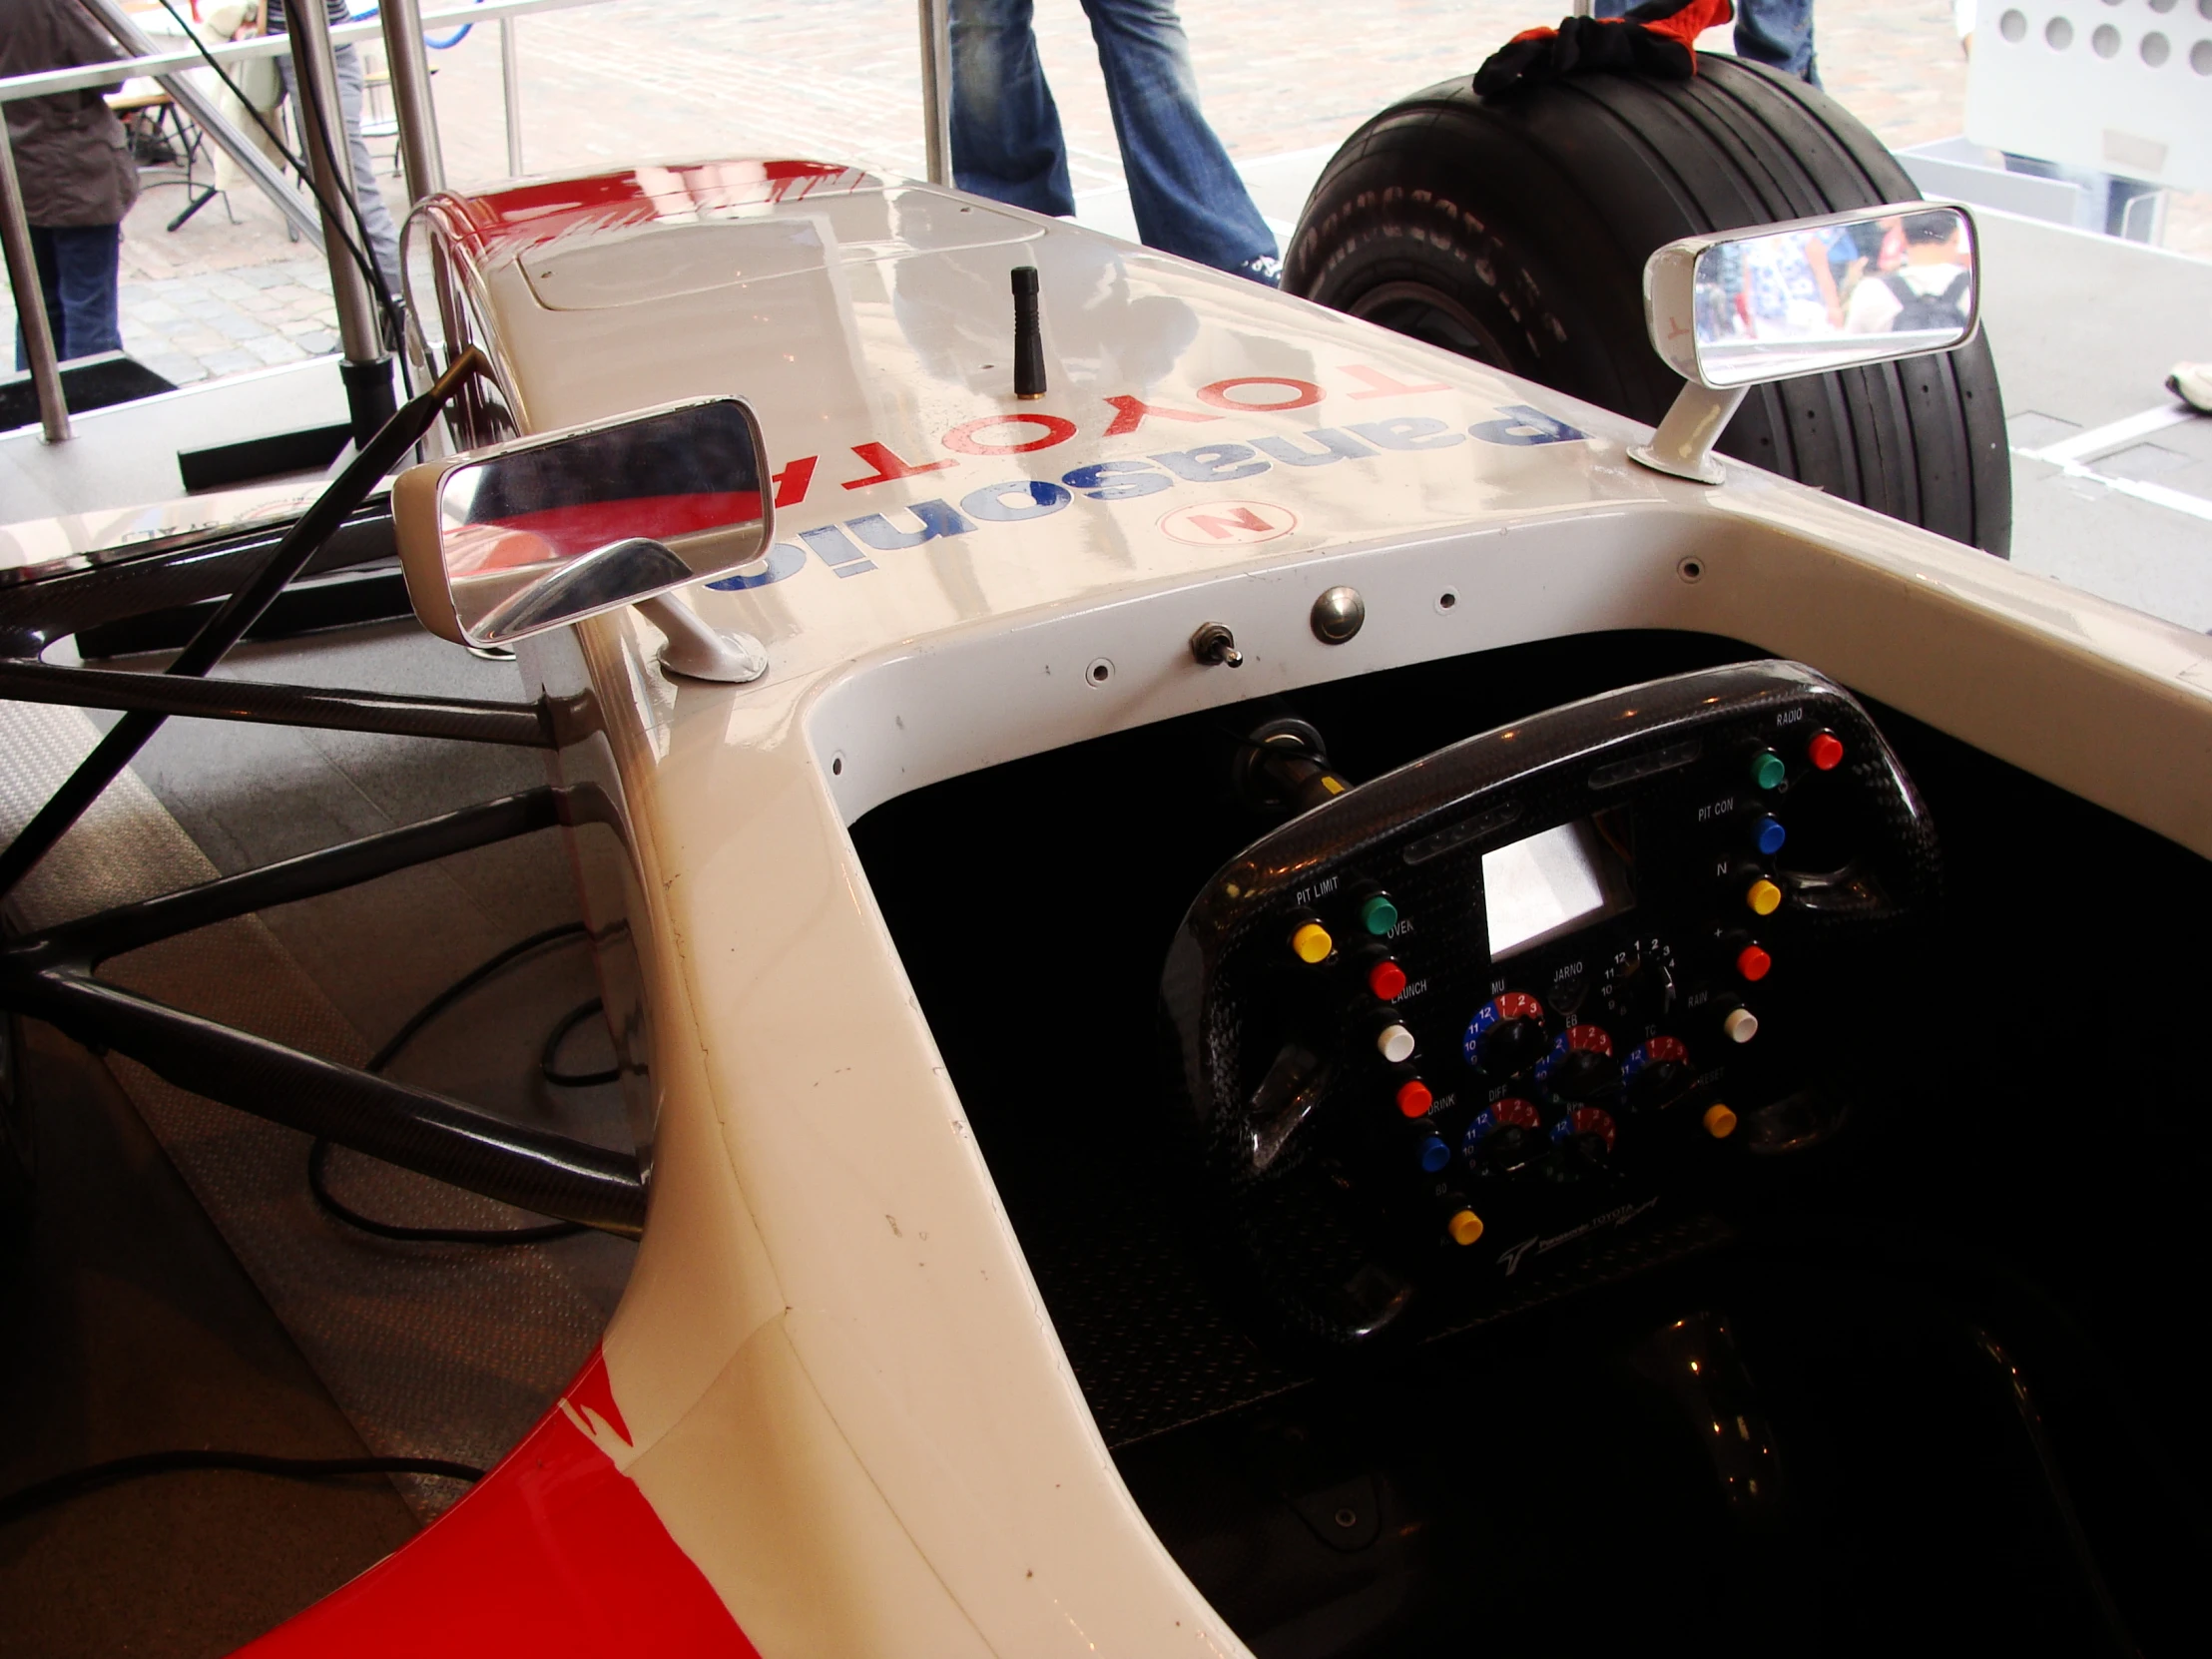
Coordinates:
846 1399
2112 86
817 1186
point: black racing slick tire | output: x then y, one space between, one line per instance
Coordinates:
1516 231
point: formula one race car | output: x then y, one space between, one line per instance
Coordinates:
1283 991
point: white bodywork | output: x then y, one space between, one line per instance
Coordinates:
845 1399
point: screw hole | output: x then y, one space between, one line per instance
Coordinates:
1449 598
1690 570
1100 671
837 766
1347 1518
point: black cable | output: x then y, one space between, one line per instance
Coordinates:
319 1161
318 1155
386 301
460 987
551 1052
61 1488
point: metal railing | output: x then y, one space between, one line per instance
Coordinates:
399 27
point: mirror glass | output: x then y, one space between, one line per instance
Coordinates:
1806 301
548 532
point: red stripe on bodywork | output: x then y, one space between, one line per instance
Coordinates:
555 1555
529 216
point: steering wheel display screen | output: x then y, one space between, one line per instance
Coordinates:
1551 884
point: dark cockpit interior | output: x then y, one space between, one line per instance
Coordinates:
1613 1141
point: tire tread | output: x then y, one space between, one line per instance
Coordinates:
1614 165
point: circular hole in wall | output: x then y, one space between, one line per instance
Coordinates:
1691 569
837 766
2058 34
2014 27
1100 671
2156 49
1447 600
2105 42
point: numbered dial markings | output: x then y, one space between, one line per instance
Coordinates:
1506 1034
1639 987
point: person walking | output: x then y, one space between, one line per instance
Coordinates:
384 237
77 175
1007 144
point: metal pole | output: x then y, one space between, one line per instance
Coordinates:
411 104
510 86
210 119
30 299
367 368
936 88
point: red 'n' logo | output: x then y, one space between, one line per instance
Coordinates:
1228 523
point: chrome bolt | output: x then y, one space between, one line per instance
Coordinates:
1337 615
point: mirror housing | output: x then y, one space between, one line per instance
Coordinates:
1738 309
504 542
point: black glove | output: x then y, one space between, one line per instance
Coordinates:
1654 39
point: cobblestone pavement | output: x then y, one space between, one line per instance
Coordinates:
838 78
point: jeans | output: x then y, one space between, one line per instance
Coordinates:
75 271
1777 33
1007 144
383 239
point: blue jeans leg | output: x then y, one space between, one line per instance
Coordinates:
77 270
1006 139
1188 198
1777 33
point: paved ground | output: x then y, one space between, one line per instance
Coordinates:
838 77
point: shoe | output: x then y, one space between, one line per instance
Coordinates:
1268 271
2192 383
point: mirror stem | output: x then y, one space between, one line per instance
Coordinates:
1683 445
698 652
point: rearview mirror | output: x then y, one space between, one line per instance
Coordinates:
1738 309
498 544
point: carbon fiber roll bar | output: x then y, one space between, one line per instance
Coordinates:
50 975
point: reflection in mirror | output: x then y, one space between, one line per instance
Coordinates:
548 532
1810 299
